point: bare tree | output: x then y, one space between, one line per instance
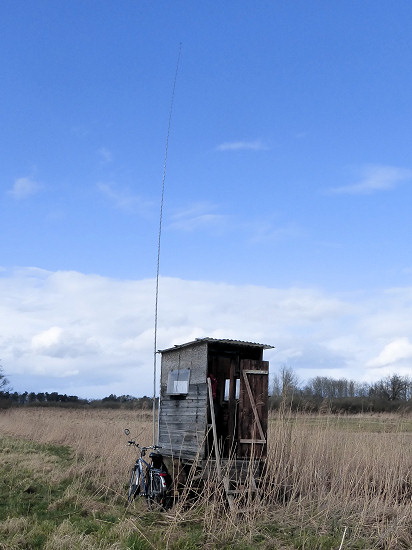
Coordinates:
392 388
286 383
4 383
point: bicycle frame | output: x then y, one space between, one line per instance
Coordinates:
149 480
139 464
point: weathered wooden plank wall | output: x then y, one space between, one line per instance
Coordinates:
182 423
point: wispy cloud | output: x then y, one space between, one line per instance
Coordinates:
122 198
24 187
105 155
196 216
375 178
256 145
264 231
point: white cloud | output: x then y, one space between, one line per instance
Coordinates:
376 178
46 339
24 188
56 342
256 145
92 336
393 354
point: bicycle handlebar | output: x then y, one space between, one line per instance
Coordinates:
154 447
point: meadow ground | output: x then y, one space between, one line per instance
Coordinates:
331 482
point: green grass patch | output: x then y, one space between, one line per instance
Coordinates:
42 499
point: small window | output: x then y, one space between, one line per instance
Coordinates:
227 386
178 382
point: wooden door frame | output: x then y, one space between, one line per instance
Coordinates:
255 430
253 404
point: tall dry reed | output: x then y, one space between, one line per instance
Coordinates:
322 472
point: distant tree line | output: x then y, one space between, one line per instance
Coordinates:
41 398
124 401
391 393
8 398
321 393
45 399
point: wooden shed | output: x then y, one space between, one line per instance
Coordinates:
214 383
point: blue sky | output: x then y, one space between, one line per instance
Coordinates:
288 186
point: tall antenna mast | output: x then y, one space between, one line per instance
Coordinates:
155 436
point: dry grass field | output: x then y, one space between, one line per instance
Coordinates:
330 483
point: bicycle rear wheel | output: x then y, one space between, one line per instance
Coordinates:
134 484
155 492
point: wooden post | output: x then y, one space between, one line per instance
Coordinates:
224 479
212 414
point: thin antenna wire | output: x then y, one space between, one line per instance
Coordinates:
158 255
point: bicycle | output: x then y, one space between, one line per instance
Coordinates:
151 481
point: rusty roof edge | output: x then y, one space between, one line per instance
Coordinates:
220 340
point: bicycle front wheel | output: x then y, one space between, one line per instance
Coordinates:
134 484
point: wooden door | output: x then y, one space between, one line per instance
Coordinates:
253 408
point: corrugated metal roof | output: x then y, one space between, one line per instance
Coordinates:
220 341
